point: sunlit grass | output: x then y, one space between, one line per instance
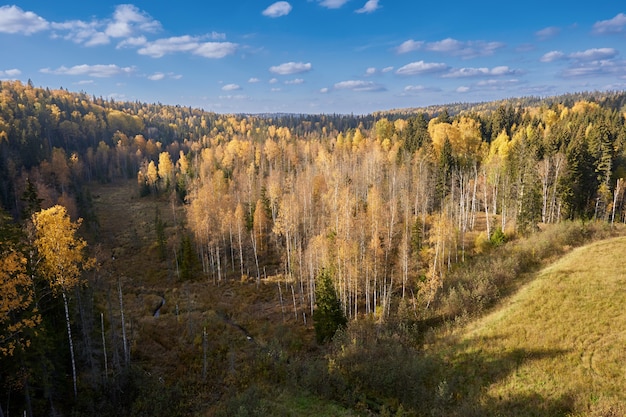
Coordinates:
559 344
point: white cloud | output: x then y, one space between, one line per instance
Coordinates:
588 55
276 89
369 7
10 73
324 90
15 20
273 81
132 42
161 47
333 4
462 89
128 20
596 68
479 72
359 86
231 87
409 46
98 38
99 71
371 71
217 36
254 80
295 81
234 97
278 9
466 50
414 88
594 54
157 76
87 33
216 49
548 32
421 67
290 68
498 84
614 25
552 56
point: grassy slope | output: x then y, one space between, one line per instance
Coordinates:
557 348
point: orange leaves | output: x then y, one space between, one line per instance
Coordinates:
16 297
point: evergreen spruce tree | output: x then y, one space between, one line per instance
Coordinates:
328 315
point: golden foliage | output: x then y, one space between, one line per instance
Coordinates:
60 250
16 297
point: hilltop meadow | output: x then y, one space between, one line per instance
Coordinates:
447 261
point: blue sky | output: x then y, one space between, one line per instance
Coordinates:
315 56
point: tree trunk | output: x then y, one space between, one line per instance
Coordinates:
69 336
124 340
104 348
205 349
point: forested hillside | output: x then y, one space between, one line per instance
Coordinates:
406 219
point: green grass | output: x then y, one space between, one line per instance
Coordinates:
558 347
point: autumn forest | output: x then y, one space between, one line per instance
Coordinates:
164 260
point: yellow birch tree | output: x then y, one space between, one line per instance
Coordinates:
61 258
17 310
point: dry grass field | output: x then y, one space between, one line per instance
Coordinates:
558 347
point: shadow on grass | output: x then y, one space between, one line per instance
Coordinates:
379 373
465 379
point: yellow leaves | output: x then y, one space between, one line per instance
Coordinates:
357 139
464 136
384 129
470 138
151 174
400 124
271 131
583 106
341 141
183 163
119 120
17 312
166 168
550 117
500 146
289 213
284 133
272 150
60 250
386 144
16 295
